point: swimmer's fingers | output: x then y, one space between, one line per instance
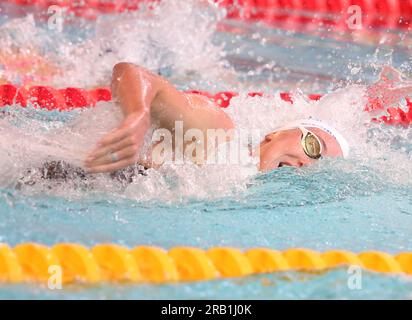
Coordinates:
112 166
134 124
114 136
125 153
103 151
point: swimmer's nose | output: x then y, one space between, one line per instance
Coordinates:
292 163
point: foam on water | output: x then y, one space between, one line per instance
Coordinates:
28 143
160 39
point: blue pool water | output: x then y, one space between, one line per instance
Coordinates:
358 220
363 203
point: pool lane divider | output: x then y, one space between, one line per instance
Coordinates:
50 98
31 262
385 14
375 13
65 99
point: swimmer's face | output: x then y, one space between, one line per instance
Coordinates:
283 148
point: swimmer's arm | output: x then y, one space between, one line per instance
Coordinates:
133 89
139 91
144 96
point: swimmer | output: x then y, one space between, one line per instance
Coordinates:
146 99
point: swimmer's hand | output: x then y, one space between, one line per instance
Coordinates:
119 148
134 89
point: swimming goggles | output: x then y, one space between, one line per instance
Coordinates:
311 144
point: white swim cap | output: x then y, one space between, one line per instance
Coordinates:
312 123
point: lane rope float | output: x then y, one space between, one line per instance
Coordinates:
32 262
50 98
387 14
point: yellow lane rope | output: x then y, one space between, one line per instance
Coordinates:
31 262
